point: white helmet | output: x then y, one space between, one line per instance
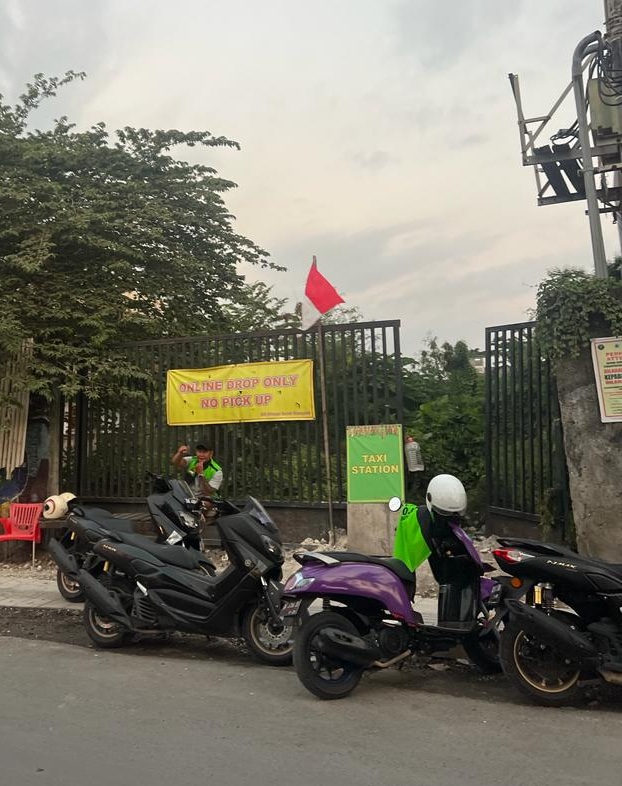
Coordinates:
446 496
56 506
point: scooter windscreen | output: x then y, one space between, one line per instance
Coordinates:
182 491
255 509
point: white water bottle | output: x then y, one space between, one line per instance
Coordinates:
414 459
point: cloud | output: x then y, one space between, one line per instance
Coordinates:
472 140
436 278
379 136
50 38
438 34
374 160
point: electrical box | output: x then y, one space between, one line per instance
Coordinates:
605 111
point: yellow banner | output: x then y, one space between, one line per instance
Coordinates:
280 390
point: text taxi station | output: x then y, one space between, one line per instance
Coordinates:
375 459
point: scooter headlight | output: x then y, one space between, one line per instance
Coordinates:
271 546
298 581
174 538
188 520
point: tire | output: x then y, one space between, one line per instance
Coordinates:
483 651
539 671
103 632
70 590
324 677
268 643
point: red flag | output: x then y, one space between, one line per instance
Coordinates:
320 296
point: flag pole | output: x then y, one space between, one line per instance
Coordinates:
320 352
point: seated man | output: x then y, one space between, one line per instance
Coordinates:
203 473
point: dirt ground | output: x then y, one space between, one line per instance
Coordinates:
65 625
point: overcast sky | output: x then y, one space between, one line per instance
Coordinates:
379 135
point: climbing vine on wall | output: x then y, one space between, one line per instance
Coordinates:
574 306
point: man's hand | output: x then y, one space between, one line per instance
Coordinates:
177 459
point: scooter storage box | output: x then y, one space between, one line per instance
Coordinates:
457 605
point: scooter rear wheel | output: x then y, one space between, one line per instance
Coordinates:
101 631
325 677
539 671
69 589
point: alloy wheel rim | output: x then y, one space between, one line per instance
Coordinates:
103 625
543 677
273 637
70 585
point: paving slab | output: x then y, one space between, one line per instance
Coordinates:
27 592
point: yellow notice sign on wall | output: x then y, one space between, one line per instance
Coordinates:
281 390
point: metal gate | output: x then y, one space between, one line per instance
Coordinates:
109 445
525 461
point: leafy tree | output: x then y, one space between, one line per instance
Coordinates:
444 411
109 239
255 308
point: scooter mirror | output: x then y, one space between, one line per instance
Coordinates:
395 503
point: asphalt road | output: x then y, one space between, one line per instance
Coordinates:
193 714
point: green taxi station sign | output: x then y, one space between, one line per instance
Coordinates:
375 456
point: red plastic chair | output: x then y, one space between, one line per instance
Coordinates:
23 524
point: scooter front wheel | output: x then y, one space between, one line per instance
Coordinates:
269 642
324 676
483 651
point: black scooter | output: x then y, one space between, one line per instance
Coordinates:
565 625
142 588
174 510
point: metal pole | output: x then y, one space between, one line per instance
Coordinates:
613 26
320 350
598 245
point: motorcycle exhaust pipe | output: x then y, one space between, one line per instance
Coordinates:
104 601
338 644
552 631
65 561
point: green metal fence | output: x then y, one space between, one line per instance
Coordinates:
109 445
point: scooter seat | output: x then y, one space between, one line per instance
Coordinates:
105 519
190 559
394 565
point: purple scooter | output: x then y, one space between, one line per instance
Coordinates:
367 621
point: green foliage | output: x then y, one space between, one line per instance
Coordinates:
256 309
444 411
574 306
107 240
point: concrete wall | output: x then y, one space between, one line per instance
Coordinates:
594 455
294 523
